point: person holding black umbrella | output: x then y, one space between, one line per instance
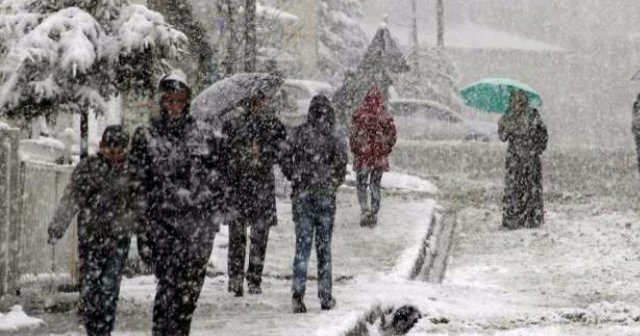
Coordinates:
254 136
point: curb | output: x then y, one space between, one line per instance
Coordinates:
430 255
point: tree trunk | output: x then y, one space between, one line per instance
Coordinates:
84 134
232 40
179 14
440 10
414 34
250 40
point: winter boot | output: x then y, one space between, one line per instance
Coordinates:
327 302
254 289
297 303
373 219
365 218
237 291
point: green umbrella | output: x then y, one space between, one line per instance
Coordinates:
492 94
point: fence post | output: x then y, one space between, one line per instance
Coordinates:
9 172
13 283
4 212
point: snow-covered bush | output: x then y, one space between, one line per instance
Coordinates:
434 78
70 55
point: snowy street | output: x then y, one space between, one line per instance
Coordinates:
319 167
572 276
363 259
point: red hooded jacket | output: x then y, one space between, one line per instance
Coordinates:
373 133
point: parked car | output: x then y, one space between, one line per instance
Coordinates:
427 120
295 96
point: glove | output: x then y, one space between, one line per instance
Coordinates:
144 249
54 235
52 240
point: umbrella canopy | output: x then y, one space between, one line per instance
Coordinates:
492 94
211 108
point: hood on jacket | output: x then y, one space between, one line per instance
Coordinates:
321 113
373 103
171 84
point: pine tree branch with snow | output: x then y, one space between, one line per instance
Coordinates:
66 55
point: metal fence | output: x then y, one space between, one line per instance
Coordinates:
29 193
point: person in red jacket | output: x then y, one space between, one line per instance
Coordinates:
372 137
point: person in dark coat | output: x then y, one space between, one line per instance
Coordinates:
635 127
98 193
315 161
372 137
177 194
255 137
527 136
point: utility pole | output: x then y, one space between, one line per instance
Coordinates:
440 11
250 40
414 33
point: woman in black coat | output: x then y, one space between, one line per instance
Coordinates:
523 129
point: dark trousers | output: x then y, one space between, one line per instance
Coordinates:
101 261
180 267
368 182
313 214
259 237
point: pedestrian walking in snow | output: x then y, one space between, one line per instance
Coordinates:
372 137
99 194
255 137
315 161
177 192
635 127
523 129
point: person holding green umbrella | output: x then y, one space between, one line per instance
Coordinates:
492 95
522 127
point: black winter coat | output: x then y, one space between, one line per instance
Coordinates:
314 160
254 145
100 195
177 192
527 136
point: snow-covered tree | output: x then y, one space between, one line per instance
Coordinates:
201 65
72 55
273 28
434 77
342 42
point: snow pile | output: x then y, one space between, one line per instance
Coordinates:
42 149
400 182
602 312
16 319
